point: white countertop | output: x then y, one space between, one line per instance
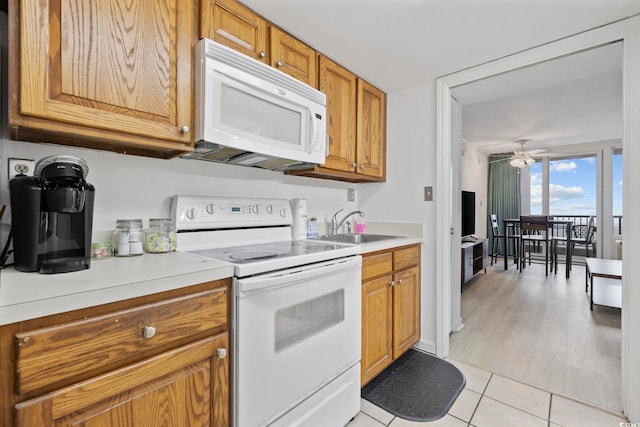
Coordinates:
30 295
26 296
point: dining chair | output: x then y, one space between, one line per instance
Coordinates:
535 229
559 235
583 234
498 237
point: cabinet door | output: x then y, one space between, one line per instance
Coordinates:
377 327
235 25
467 264
293 57
114 71
187 386
339 85
406 310
371 134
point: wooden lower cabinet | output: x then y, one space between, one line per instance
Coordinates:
377 327
390 307
178 374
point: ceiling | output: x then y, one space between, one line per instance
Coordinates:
572 100
396 44
399 44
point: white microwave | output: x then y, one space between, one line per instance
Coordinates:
251 114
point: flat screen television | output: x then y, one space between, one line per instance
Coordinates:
468 213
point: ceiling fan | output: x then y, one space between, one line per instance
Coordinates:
522 158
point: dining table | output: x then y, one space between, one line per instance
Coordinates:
512 224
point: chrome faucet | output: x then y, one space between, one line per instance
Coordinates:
335 224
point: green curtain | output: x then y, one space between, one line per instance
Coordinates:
503 195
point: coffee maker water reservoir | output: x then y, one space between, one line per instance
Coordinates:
52 216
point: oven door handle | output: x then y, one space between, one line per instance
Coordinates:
294 275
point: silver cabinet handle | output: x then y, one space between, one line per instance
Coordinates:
149 332
185 129
362 166
279 64
353 165
261 54
399 281
222 353
392 283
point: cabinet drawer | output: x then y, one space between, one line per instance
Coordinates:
403 258
376 265
64 353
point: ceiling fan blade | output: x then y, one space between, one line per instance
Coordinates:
502 160
536 151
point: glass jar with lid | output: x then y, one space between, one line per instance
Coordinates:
127 238
160 237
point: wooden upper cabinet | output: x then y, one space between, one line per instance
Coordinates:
352 102
372 127
293 57
235 25
114 75
339 85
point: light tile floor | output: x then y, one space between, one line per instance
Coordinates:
490 400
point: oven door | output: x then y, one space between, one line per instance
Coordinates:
295 332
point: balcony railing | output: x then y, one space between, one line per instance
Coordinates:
584 220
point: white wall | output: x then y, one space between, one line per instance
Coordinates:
411 165
474 177
138 187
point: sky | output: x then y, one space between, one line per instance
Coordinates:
572 186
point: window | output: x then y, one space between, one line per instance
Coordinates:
572 186
617 192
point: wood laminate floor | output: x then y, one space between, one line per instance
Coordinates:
539 330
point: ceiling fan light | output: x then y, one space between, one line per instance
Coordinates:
529 161
518 163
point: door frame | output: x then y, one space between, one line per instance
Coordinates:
627 31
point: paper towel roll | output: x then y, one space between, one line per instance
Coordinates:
299 213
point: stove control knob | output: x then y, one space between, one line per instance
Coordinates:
256 209
211 208
283 213
269 209
191 213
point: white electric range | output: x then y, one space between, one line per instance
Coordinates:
296 311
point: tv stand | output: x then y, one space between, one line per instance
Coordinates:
474 258
466 239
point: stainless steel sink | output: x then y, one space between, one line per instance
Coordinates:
357 238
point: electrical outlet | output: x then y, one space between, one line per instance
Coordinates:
351 195
21 166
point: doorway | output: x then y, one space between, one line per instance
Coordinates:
629 32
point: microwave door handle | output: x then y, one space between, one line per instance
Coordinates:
312 131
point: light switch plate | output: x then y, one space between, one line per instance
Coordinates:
428 194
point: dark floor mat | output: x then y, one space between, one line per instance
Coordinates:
417 387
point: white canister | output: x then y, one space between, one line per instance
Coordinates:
299 213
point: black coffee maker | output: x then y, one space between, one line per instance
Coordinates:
52 216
